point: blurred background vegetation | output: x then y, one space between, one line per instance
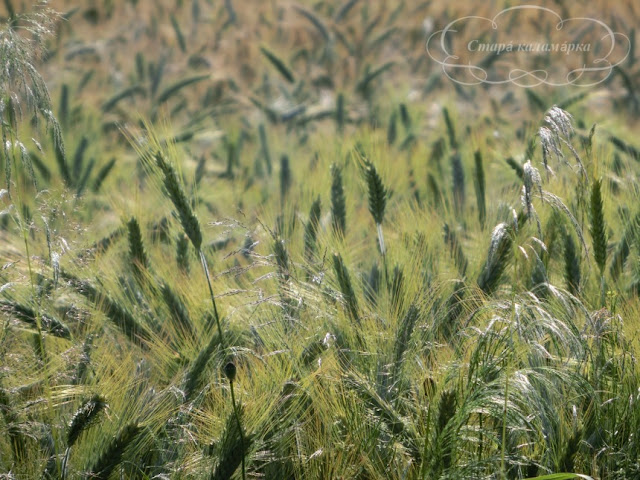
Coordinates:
271 239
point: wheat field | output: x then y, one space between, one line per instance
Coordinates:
273 240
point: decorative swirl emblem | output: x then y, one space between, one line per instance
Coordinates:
577 51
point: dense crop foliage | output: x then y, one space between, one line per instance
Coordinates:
272 240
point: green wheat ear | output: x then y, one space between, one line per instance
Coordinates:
282 258
311 229
392 129
112 456
598 226
279 65
137 252
340 113
178 311
188 219
346 288
480 186
397 288
84 417
432 185
264 146
459 258
623 249
103 173
285 177
403 336
497 258
457 171
194 377
338 204
377 200
571 265
377 192
516 167
14 436
446 411
233 447
438 149
571 451
451 131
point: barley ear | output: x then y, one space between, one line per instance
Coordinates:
137 252
623 249
279 65
193 379
432 185
377 192
377 200
480 186
103 173
338 204
340 113
457 171
112 456
233 447
346 288
177 310
497 258
311 229
397 288
264 145
598 226
403 335
516 167
571 265
282 259
182 253
571 451
437 152
285 178
392 129
187 216
84 417
453 143
459 258
446 411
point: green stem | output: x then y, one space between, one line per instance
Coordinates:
24 229
203 262
423 471
504 424
235 411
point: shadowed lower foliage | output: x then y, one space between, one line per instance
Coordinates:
351 316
